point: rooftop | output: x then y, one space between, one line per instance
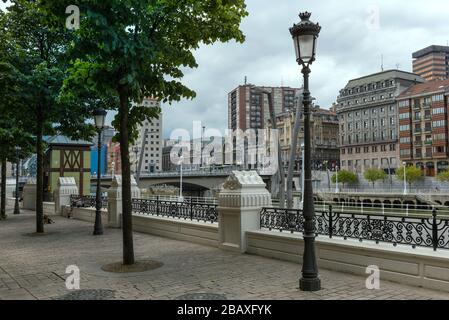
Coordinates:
384 75
430 49
64 140
426 88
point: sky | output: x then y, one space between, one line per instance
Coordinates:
354 36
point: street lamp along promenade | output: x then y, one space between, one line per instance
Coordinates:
305 35
99 117
16 203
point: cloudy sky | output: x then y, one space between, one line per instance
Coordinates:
354 36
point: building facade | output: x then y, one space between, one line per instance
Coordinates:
423 126
324 133
432 63
149 142
248 106
368 118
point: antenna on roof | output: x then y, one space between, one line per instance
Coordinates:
246 80
397 66
382 62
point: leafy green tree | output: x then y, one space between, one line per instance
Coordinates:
373 175
413 174
345 177
443 176
138 48
39 58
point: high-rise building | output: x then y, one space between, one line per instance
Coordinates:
423 126
150 138
248 106
368 117
432 63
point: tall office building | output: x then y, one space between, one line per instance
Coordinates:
368 117
432 63
248 107
150 138
423 126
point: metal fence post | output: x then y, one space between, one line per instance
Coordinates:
157 205
191 209
331 222
434 229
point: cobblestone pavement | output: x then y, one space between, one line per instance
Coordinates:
33 267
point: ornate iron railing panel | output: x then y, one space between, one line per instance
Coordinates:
177 209
422 231
87 201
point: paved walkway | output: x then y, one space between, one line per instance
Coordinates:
33 267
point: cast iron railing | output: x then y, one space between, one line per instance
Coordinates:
87 201
414 231
187 210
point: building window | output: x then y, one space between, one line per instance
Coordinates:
437 98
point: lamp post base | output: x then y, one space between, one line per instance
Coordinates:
98 232
310 285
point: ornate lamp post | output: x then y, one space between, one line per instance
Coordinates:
305 35
181 161
16 203
99 117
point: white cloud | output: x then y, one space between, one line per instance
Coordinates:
348 47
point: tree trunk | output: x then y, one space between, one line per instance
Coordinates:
39 177
3 191
294 144
128 247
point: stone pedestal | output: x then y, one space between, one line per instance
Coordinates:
115 208
65 188
240 201
29 194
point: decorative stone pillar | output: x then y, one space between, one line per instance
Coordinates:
65 188
115 208
29 194
239 204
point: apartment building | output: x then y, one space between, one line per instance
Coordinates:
324 133
248 106
149 142
368 118
423 126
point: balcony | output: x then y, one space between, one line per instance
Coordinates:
417 131
418 143
428 142
427 105
418 156
428 129
429 155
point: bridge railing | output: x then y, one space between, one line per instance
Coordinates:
186 210
205 200
430 232
79 201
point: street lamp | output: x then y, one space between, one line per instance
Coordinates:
99 117
16 204
404 164
337 189
305 35
181 160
